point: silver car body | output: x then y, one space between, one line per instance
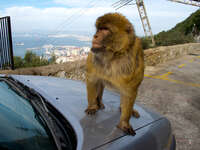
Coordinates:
153 131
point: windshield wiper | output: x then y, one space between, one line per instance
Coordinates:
37 102
44 112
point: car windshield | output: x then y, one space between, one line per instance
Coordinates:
21 127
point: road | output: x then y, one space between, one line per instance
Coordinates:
173 89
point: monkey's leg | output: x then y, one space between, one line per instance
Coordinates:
100 95
126 112
135 113
92 87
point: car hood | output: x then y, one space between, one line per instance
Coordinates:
69 97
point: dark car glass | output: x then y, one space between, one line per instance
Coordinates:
21 128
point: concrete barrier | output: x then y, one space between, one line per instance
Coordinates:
162 54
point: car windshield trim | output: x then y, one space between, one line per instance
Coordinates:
28 93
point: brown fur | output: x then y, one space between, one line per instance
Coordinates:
120 64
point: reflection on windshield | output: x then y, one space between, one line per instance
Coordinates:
20 126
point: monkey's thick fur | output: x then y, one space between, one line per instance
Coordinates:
120 64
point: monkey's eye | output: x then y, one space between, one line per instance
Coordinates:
103 28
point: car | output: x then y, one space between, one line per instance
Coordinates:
38 112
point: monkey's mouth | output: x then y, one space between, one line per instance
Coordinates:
96 45
96 50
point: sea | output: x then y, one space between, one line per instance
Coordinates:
21 44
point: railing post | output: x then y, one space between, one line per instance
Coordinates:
6 46
10 42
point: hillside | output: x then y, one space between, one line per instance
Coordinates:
184 32
190 25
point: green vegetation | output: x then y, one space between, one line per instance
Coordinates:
31 60
183 32
172 38
146 43
18 62
189 25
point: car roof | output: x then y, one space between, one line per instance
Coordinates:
69 97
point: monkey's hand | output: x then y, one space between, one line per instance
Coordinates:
126 127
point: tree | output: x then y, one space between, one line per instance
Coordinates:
18 62
32 60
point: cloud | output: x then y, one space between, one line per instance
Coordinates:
61 19
84 3
71 3
54 18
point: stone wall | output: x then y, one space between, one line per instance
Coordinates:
162 54
76 70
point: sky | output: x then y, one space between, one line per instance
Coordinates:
78 16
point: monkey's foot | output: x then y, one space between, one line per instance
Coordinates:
126 128
135 113
101 106
90 111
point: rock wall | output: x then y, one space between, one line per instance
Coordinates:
76 70
162 54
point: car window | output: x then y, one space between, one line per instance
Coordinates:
20 126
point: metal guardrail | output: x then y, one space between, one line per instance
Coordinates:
188 2
6 47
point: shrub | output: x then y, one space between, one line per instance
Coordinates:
30 60
146 42
172 38
18 62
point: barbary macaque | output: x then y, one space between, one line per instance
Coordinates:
117 59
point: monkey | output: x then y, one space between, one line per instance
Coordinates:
116 58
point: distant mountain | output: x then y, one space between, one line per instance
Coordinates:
184 32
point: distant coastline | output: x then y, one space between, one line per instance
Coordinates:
22 44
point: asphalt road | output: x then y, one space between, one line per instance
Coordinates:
173 89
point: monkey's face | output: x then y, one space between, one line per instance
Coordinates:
114 34
98 42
